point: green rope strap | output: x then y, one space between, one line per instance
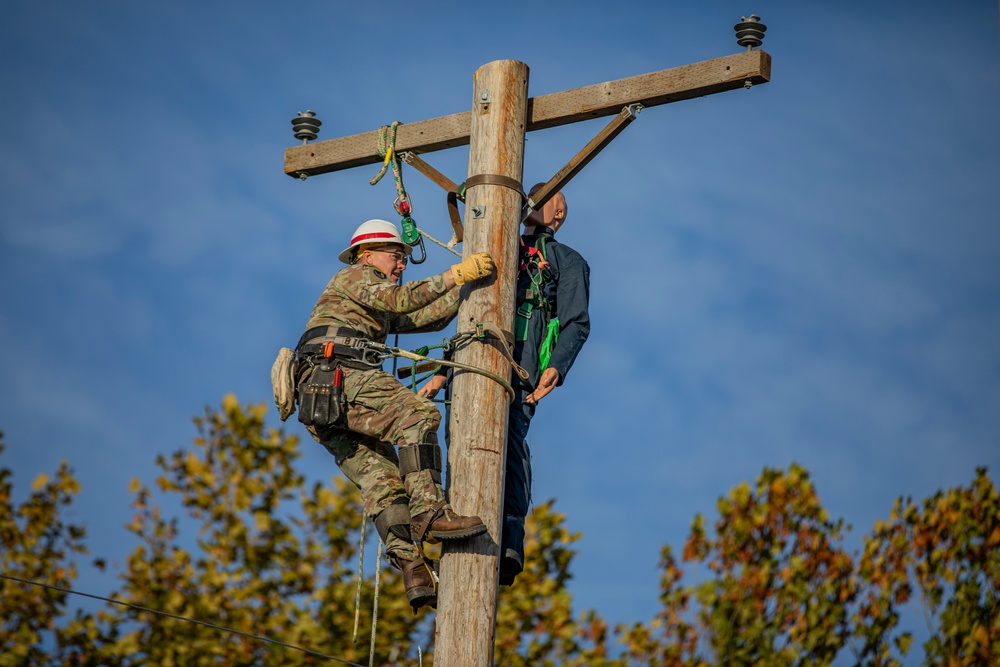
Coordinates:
386 137
551 337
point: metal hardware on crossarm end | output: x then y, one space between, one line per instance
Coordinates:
750 32
306 126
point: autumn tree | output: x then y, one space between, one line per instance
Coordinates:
884 589
672 637
947 550
274 558
536 624
956 552
781 589
38 545
255 549
782 579
269 557
777 588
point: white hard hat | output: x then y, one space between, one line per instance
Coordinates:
374 232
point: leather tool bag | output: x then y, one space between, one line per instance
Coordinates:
321 396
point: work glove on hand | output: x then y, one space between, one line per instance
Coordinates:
473 267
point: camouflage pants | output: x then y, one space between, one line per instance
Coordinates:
381 413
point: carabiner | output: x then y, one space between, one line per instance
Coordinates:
423 252
402 204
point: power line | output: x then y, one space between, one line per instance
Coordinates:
181 618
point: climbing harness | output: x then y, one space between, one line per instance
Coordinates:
325 348
325 351
535 264
351 348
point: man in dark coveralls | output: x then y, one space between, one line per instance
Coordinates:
550 327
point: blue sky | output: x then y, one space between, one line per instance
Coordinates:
806 271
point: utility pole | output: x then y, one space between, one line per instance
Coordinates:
494 129
468 591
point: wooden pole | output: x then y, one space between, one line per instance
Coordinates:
468 593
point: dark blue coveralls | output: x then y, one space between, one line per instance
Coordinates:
567 290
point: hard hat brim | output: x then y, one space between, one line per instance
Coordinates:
374 232
348 252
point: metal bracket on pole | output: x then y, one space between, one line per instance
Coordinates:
580 160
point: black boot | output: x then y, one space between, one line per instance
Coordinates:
511 549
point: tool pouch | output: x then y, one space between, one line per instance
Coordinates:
283 382
321 396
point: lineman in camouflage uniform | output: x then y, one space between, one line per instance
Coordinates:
402 494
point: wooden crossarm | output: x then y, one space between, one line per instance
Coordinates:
569 106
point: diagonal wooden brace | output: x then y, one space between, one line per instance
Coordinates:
418 163
580 160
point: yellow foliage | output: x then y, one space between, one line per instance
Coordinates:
230 404
40 482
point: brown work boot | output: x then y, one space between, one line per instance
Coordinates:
444 524
419 583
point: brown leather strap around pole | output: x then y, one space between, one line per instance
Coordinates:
494 179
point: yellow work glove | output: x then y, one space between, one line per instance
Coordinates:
473 267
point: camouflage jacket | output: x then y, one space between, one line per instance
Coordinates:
362 298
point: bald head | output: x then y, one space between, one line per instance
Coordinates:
552 214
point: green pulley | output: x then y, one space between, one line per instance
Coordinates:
412 238
411 235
